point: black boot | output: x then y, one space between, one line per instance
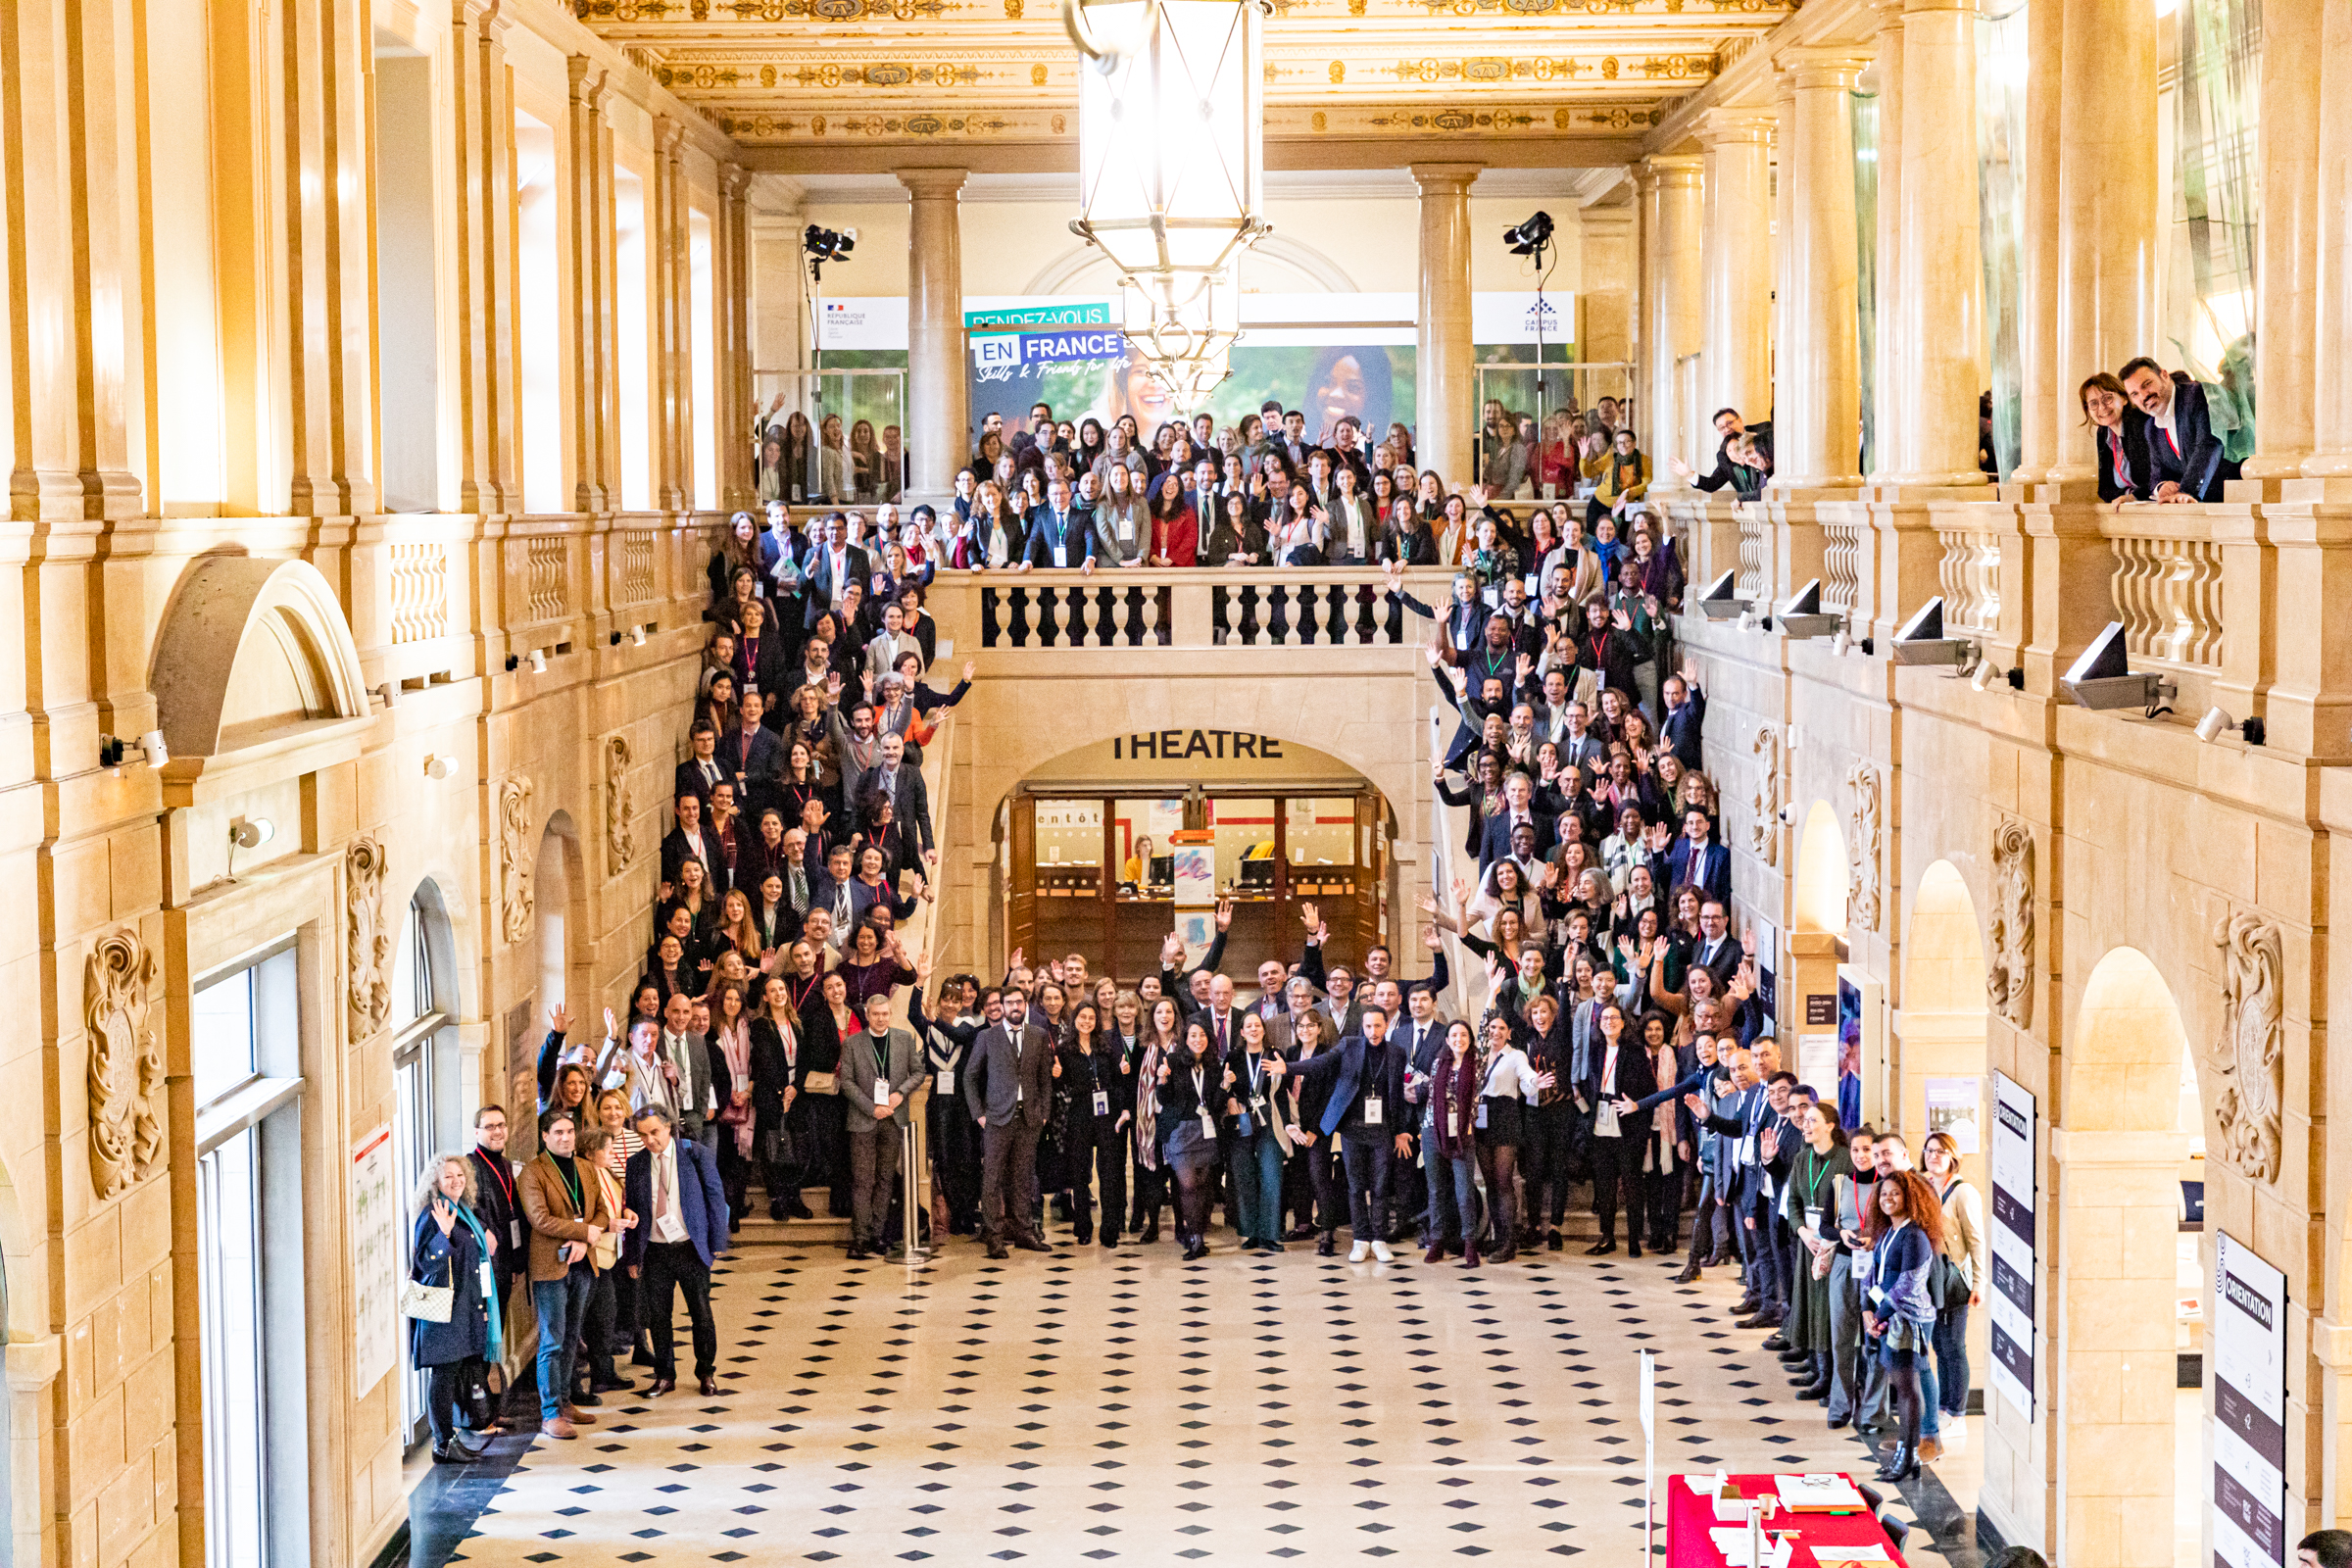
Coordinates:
1902 1464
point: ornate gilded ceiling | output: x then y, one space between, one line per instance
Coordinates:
801 77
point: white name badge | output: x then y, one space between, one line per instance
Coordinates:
1453 1123
514 1233
1813 1219
1019 1093
1605 1122
1482 1114
1102 1102
946 1079
1371 1111
1209 1124
1747 1149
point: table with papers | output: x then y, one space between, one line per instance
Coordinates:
1822 1520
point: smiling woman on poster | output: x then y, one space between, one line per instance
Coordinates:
1347 380
1137 389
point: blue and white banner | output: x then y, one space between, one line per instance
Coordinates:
1009 351
2248 1342
2012 1251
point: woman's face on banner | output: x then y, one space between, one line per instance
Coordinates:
1340 394
1147 397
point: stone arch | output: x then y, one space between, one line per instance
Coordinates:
560 899
1069 272
2119 1150
250 649
1821 871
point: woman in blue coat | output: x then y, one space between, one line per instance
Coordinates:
450 1248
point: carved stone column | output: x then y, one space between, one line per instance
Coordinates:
2106 210
1942 287
1735 260
938 433
1445 396
733 275
1817 410
485 372
1672 320
1890 367
665 238
590 255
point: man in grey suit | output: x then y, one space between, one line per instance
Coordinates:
879 1069
689 1056
1008 1082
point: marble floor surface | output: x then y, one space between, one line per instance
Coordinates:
1127 1407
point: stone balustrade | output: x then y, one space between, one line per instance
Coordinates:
2167 582
1187 608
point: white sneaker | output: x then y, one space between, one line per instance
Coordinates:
1356 1253
1956 1436
1380 1249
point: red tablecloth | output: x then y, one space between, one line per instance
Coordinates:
1689 1516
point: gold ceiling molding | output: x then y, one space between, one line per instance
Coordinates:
713 17
1292 121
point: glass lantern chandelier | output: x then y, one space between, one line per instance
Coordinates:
1171 170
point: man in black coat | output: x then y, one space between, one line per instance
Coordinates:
833 566
494 1200
2184 454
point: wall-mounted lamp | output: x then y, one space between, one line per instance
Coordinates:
637 636
437 768
114 751
251 832
538 660
2218 721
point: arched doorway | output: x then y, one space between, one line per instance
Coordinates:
2120 1257
552 886
1821 873
1088 842
428 1081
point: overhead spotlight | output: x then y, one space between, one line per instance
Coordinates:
538 660
1528 238
827 245
2218 721
1987 673
1841 643
2103 677
437 768
388 693
637 636
1922 640
1748 620
1719 601
157 754
251 832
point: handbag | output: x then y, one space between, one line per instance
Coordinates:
427 1303
776 1146
822 1083
1947 1287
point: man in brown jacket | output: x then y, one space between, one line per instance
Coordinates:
566 1206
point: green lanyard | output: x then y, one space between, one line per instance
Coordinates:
1821 1167
571 1184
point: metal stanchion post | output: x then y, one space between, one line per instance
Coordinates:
911 1175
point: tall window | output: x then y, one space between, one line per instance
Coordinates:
422 1123
700 309
628 271
248 1185
539 316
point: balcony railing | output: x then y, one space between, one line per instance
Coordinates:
1194 608
2167 582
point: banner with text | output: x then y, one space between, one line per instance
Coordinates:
2249 1408
2012 1253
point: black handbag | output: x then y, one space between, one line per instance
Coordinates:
776 1146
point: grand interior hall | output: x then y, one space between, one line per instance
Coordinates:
1141 781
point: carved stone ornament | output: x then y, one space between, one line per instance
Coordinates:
1863 830
2252 1049
514 857
2009 986
620 838
127 1064
371 998
1764 803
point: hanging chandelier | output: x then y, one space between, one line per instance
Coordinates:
1171 170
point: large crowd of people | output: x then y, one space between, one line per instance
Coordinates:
1611 1037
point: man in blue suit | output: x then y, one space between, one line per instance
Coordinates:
1518 794
1685 717
2184 454
1366 1111
673 1187
1698 860
1059 536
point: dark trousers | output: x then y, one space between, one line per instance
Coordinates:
1007 1180
956 1161
1305 1173
677 1264
596 1334
1409 1184
1543 1146
441 1400
1096 1154
1951 1357
1616 1163
1321 1163
1370 1159
873 1174
1709 1223
1757 1225
734 1175
1149 1189
1662 1193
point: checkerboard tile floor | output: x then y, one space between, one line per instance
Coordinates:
1130 1408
